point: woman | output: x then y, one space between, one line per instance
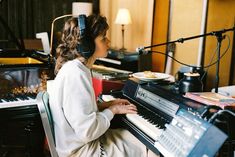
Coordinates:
81 126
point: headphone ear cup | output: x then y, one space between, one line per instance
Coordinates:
86 47
87 44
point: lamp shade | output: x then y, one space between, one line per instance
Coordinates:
123 17
79 8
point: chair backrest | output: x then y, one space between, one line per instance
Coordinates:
47 120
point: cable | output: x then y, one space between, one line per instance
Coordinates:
212 58
102 150
207 66
175 59
219 113
221 55
228 131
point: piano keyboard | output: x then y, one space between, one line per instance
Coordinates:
17 101
168 123
148 122
148 127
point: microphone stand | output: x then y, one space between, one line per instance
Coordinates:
219 38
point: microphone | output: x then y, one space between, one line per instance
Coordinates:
142 51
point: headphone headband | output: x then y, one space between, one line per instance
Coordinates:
87 45
82 25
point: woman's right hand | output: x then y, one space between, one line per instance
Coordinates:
123 109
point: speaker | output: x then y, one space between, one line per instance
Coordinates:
87 44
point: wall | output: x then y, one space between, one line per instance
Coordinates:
139 33
160 33
221 14
185 21
27 17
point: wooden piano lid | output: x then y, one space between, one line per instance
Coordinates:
19 60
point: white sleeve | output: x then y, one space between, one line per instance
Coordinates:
79 110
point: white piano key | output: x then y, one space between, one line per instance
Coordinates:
150 129
143 124
17 103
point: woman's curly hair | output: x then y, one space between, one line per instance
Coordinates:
67 50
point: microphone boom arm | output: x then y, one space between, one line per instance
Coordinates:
219 38
182 40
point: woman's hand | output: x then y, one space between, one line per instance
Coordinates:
105 105
123 108
118 106
118 101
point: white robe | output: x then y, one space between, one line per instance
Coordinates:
80 129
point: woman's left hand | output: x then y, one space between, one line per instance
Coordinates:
105 105
119 102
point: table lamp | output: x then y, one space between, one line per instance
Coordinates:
123 18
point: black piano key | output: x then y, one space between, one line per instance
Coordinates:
9 98
26 98
151 121
5 99
151 117
148 117
31 95
22 97
144 116
12 97
158 121
162 123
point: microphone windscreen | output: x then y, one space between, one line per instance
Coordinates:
139 49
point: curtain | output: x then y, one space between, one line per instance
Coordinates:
27 17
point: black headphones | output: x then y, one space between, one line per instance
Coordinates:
87 44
